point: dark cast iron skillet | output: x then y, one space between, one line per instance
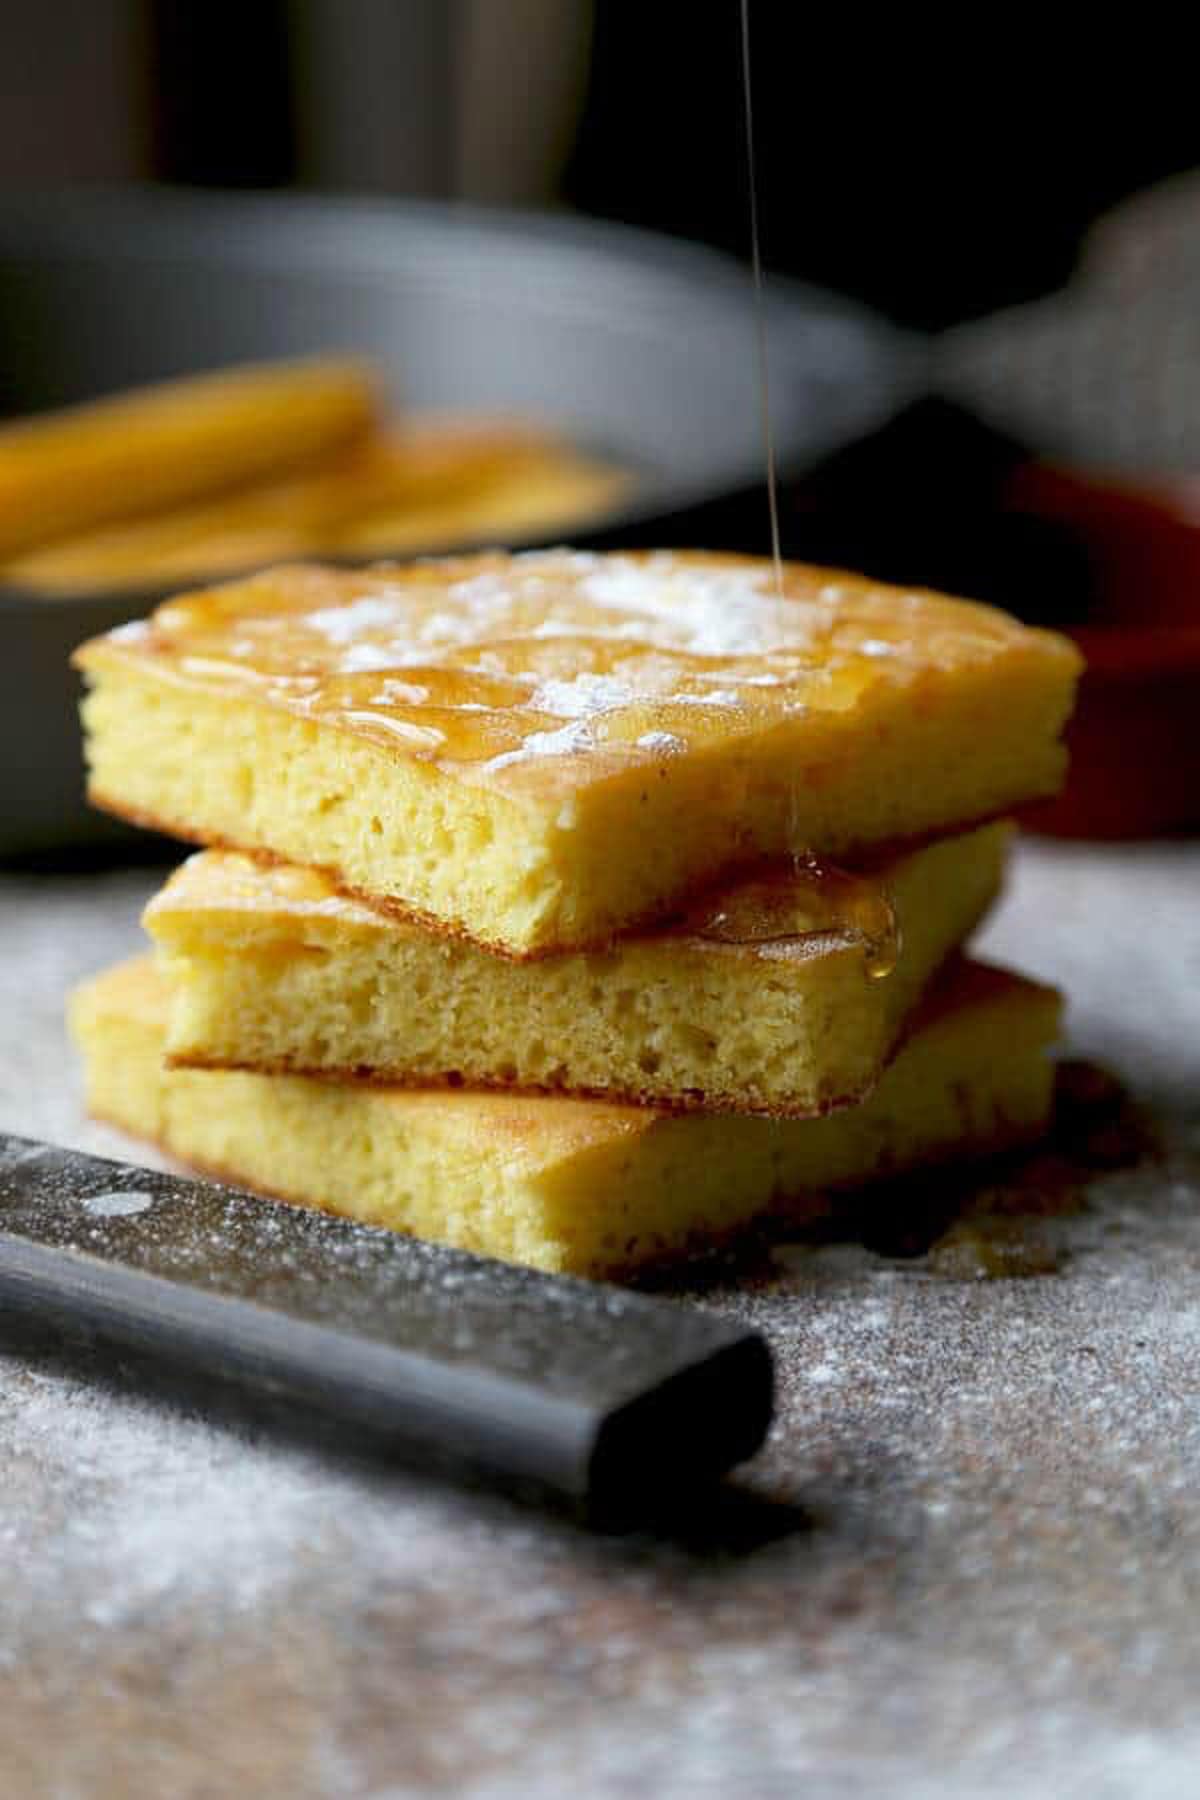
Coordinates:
633 345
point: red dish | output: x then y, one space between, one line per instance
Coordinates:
1135 737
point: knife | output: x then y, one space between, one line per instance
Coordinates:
608 1402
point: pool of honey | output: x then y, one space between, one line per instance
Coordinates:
812 899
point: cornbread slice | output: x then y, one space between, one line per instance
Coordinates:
544 489
432 484
271 968
135 453
575 1185
542 750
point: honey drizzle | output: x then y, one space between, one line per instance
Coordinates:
760 311
817 900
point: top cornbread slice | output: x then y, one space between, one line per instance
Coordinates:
543 750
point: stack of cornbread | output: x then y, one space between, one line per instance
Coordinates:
574 909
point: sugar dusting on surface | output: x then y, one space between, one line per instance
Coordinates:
581 697
567 741
706 612
964 1565
347 624
198 1513
497 646
117 1203
719 696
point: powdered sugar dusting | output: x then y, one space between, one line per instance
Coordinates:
714 611
118 1203
361 657
713 697
558 636
581 697
964 1564
198 1516
132 632
567 741
401 693
347 624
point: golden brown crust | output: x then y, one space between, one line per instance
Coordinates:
667 1104
783 1215
659 922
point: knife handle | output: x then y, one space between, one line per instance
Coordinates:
606 1401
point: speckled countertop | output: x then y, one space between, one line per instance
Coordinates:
974 1568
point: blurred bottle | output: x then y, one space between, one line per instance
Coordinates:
451 99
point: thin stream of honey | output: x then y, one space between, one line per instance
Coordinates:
820 900
760 311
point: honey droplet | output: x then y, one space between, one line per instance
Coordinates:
813 899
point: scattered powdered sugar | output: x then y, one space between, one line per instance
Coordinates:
362 658
117 1203
558 556
442 628
385 630
345 624
165 1509
14 1156
876 647
405 693
581 697
977 1510
494 667
715 697
567 741
554 628
696 608
707 612
484 590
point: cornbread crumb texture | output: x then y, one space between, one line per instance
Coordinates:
272 968
498 741
563 1184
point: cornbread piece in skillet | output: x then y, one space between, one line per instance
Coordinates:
576 1185
429 485
542 751
131 454
271 968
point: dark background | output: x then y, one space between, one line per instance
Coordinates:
935 173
